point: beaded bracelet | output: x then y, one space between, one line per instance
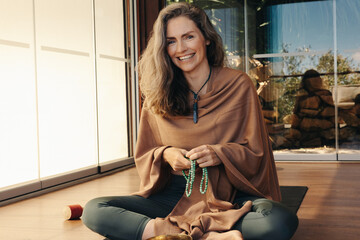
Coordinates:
191 178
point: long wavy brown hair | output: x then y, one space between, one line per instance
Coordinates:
162 84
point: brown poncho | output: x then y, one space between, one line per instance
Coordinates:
231 123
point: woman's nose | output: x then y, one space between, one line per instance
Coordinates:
181 46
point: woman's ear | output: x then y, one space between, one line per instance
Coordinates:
207 42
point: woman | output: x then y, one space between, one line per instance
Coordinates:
196 111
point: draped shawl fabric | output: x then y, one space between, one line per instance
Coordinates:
231 123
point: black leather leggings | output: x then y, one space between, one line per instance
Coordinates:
125 217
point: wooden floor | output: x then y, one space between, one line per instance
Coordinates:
330 210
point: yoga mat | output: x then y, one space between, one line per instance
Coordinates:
292 196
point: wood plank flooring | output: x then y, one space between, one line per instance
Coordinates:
331 207
330 210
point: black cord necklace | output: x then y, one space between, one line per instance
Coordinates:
196 99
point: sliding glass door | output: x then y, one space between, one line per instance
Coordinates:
291 38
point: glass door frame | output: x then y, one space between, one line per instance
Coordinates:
336 156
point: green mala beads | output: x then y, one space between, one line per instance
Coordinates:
190 178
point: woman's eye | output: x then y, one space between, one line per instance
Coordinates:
190 37
169 42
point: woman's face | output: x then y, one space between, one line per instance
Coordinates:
186 45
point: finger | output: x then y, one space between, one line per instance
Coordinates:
196 156
210 162
198 153
183 152
206 153
185 161
204 164
196 150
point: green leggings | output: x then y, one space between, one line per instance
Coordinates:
125 217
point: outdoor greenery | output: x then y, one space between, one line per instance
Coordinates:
295 66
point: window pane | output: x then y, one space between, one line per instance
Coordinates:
348 59
291 38
111 80
66 85
18 126
113 136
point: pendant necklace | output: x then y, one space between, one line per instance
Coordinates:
196 99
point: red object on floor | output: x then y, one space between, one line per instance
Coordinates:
72 212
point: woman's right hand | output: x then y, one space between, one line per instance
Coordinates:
176 158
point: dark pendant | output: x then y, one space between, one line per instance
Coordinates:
196 99
195 109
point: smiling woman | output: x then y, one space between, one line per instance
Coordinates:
229 189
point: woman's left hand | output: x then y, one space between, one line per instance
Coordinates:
204 156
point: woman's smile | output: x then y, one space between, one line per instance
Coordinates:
186 57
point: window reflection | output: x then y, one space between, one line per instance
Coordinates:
348 102
313 120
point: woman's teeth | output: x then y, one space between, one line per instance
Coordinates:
186 57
